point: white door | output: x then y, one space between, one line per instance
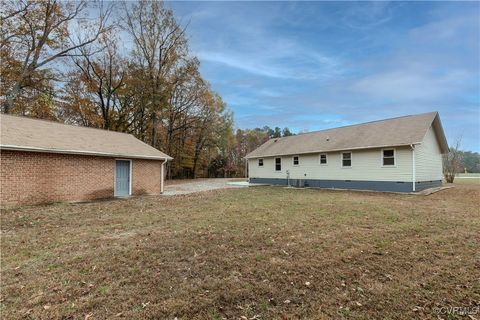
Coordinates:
122 178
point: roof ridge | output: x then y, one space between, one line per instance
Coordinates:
397 131
359 124
62 123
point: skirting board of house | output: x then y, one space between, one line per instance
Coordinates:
389 186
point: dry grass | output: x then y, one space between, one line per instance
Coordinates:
268 252
469 180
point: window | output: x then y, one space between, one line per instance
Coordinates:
323 159
388 157
296 161
278 164
346 159
260 162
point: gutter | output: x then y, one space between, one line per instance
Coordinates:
77 152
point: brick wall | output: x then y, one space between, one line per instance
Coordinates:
146 176
34 177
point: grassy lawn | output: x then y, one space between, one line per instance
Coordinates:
470 178
264 252
459 180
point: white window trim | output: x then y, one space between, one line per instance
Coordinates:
320 159
258 162
394 158
275 164
115 177
351 159
293 161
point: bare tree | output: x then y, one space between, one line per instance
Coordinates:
36 33
159 45
10 11
155 92
103 75
452 161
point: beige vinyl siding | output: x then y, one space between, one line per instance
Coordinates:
366 166
428 158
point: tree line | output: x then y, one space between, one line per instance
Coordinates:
129 69
458 161
469 162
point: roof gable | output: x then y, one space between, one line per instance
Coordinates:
399 131
22 133
440 134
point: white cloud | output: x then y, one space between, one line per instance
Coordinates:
250 42
367 15
410 85
306 66
246 64
367 61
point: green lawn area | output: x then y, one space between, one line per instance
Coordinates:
467 178
263 252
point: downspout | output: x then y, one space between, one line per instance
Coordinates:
162 175
413 167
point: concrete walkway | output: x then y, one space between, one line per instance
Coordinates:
177 187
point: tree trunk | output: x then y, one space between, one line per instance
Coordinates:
154 130
449 177
196 157
11 96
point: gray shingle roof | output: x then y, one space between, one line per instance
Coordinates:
22 133
399 131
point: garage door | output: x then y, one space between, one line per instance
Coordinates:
122 178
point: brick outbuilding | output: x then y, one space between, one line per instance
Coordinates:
44 161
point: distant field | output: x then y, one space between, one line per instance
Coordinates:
468 175
468 178
252 253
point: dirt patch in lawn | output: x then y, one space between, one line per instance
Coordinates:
263 253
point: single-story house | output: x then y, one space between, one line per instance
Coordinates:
401 154
45 161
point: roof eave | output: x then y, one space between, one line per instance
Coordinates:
81 152
437 126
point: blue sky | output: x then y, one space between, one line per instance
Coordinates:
316 65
